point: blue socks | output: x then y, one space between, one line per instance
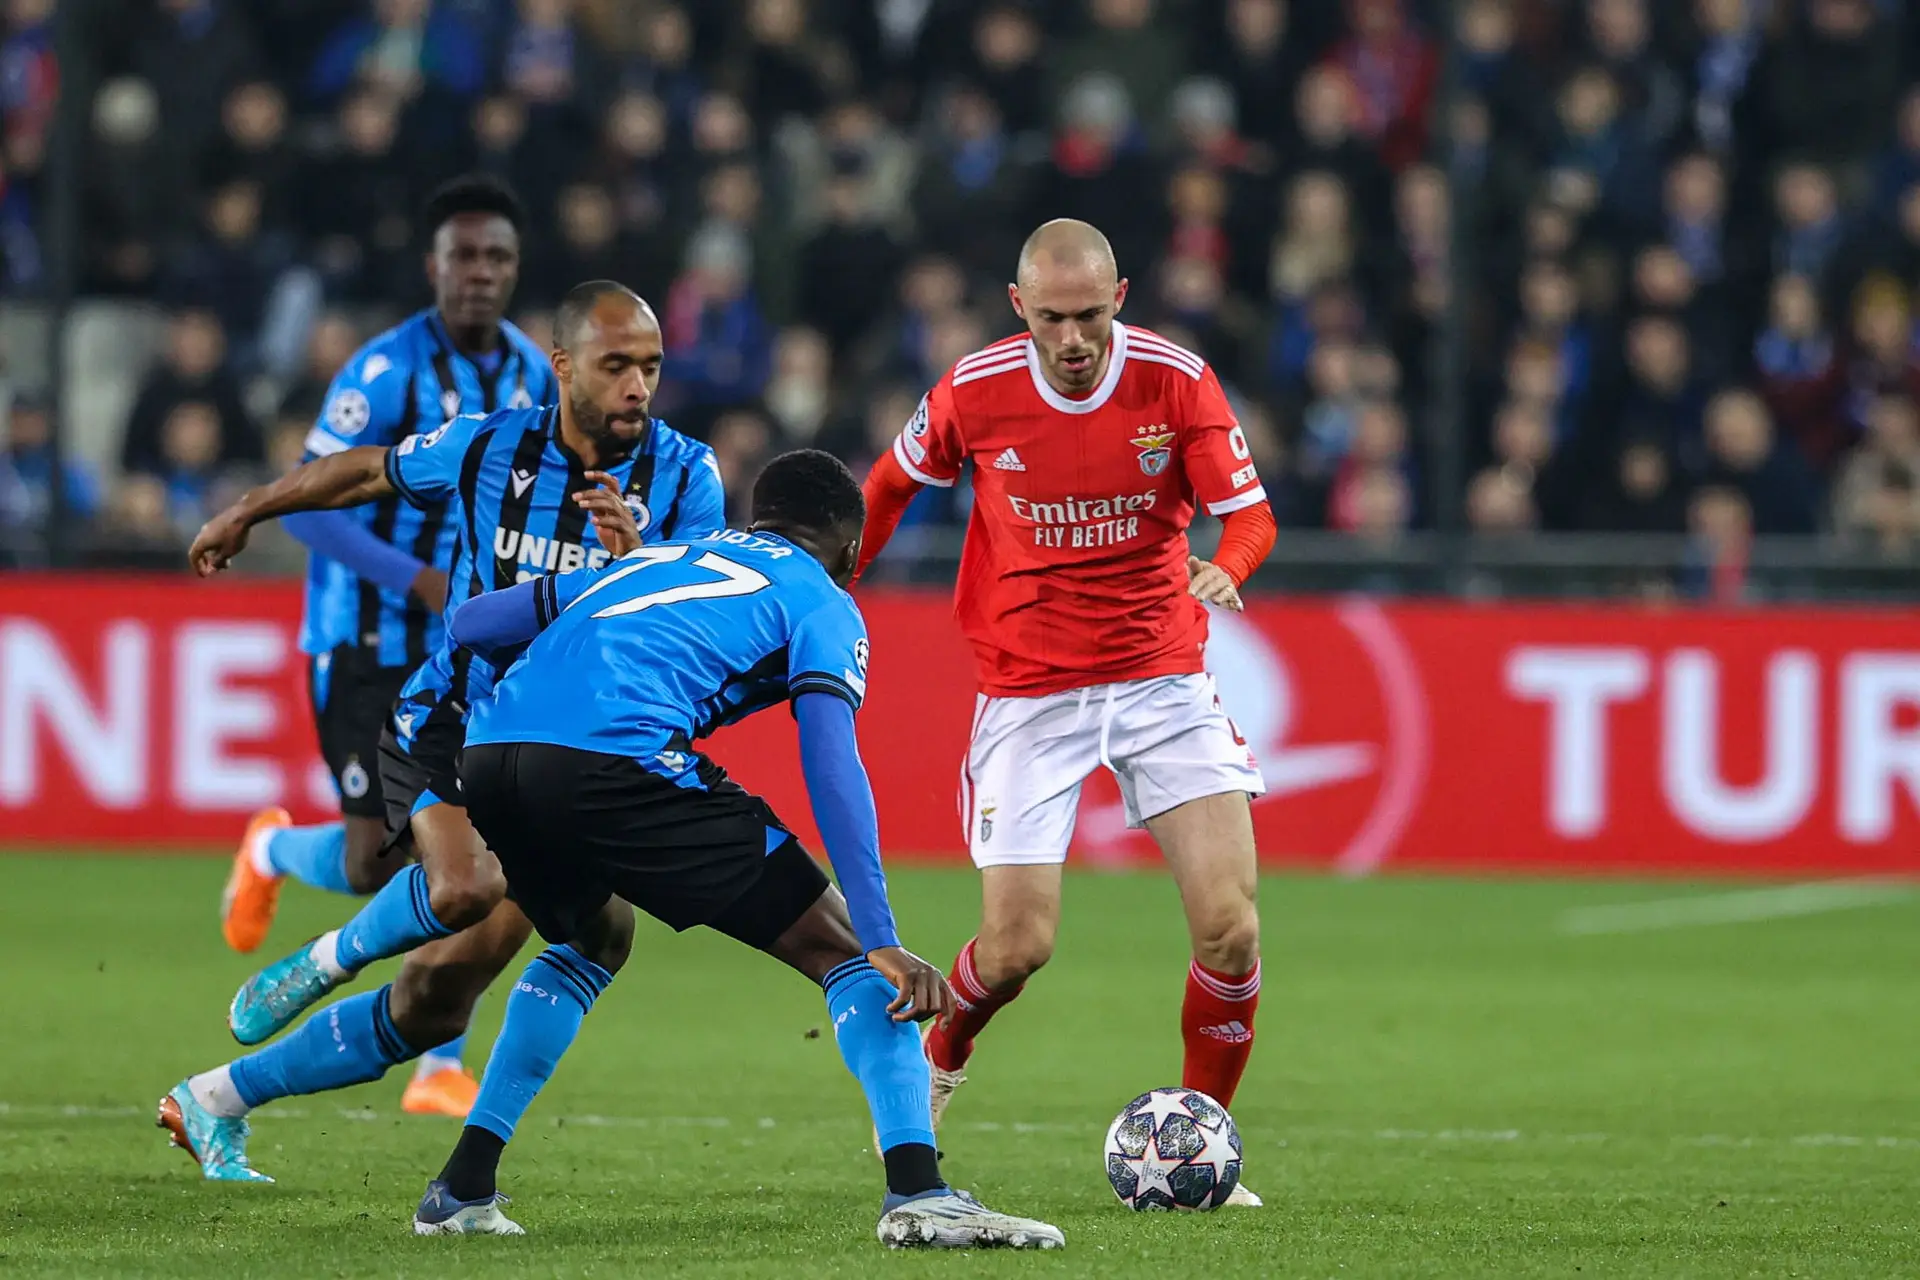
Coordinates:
884 1055
395 920
311 855
350 1041
543 1017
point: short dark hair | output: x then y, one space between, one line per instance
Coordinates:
474 193
808 489
579 303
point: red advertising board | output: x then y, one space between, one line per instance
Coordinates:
154 712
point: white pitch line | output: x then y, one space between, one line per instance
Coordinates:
1307 1135
1740 907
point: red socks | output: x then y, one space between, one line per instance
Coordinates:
950 1043
1216 1020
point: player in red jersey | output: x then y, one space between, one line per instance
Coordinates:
1093 443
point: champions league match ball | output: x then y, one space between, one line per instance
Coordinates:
1173 1149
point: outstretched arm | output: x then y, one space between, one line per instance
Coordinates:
843 807
345 540
344 479
889 492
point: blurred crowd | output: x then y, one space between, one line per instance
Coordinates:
1680 297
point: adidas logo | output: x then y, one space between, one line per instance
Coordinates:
1008 461
1232 1032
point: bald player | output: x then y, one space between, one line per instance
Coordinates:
1093 443
542 491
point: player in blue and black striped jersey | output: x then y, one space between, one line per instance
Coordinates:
535 490
376 576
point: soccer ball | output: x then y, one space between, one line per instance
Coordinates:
1173 1149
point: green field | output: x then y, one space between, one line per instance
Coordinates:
1451 1080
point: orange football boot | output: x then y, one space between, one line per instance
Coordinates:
449 1091
250 898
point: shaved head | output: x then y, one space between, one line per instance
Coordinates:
607 356
1068 290
1067 244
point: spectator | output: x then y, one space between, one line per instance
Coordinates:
1379 444
663 64
1098 168
1729 46
635 168
1808 209
1881 360
253 147
741 443
192 466
1597 158
798 394
970 191
788 72
329 346
192 52
1500 503
193 368
1325 109
29 475
1662 394
1877 495
846 269
719 347
1800 374
1006 64
1393 70
1720 544
1695 208
1122 40
1653 98
1832 77
587 247
1262 62
1640 494
234 269
1746 455
357 202
129 198
402 49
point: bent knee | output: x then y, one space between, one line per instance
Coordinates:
1229 941
463 899
1008 957
431 1004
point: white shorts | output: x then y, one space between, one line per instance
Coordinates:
1166 740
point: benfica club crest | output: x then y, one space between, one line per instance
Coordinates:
1155 446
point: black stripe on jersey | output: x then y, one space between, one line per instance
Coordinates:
672 519
386 514
457 687
516 507
570 522
546 601
821 682
640 479
469 482
449 385
770 671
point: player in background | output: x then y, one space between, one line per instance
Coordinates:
377 573
537 491
1092 444
593 731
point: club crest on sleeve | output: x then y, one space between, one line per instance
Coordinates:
349 412
1154 444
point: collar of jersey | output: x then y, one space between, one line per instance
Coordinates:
438 328
1101 394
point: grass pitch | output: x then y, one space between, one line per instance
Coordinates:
1451 1080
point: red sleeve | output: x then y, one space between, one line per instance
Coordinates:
889 491
1245 538
930 448
1214 453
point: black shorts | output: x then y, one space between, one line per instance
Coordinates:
423 771
351 695
574 828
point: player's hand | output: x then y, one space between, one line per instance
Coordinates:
612 519
923 989
430 588
1209 583
218 542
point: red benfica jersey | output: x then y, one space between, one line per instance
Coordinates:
1075 567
